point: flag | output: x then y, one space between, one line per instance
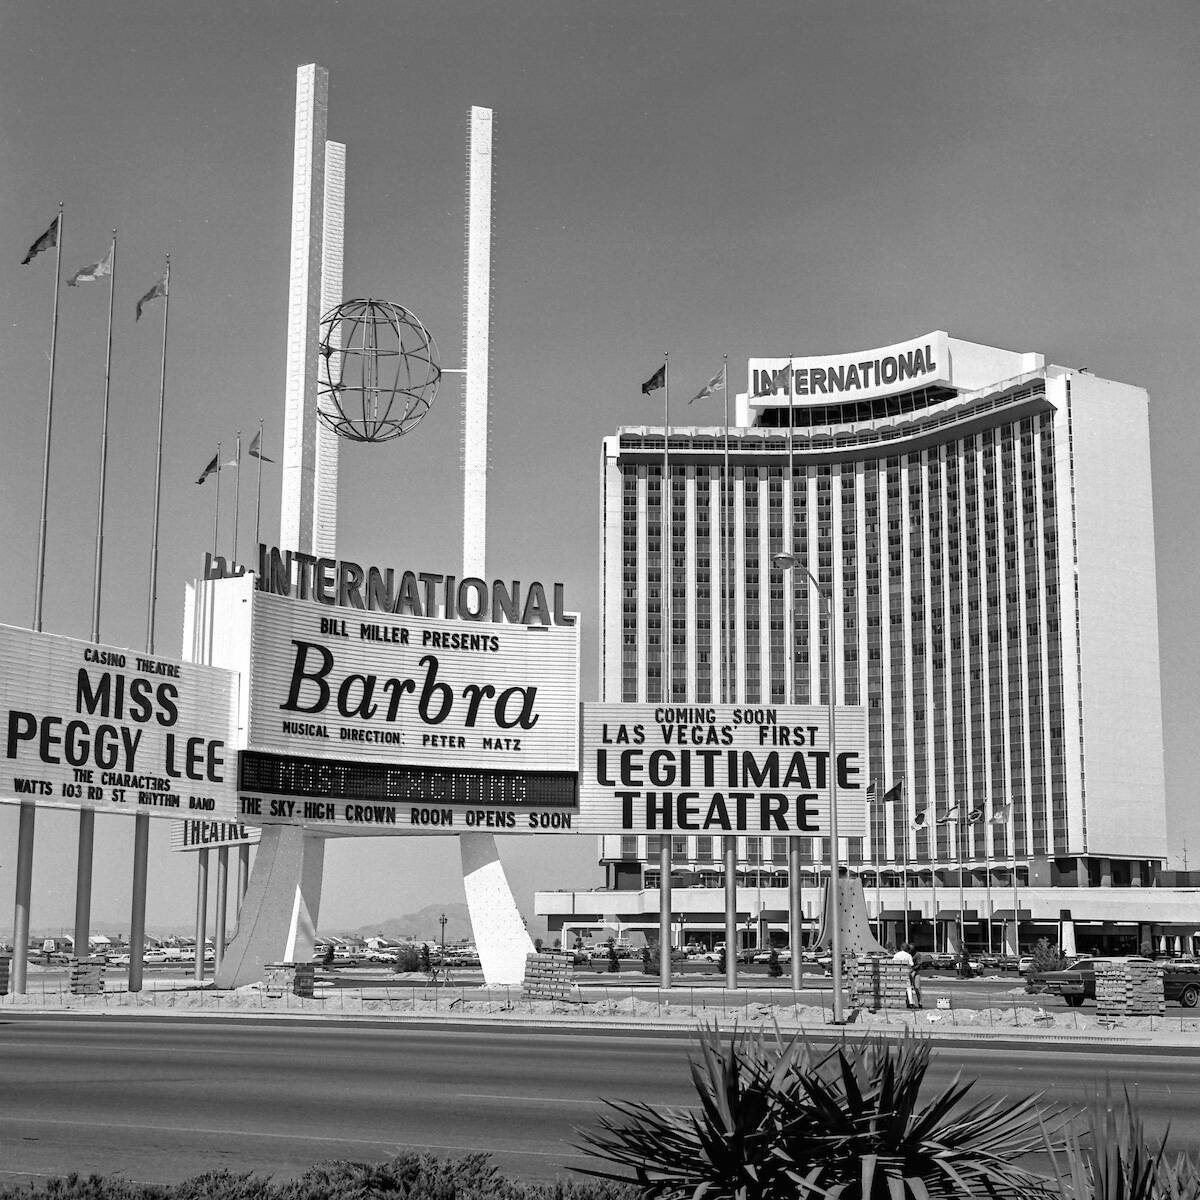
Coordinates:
1000 814
895 792
921 820
873 796
159 289
255 450
96 271
950 814
48 239
976 814
656 382
714 385
212 468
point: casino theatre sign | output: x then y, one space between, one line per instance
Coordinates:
100 727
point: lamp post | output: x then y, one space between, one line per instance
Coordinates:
787 562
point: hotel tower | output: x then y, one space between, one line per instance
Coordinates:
983 522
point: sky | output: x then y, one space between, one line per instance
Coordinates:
695 178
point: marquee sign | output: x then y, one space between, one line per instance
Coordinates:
860 375
100 727
720 769
378 722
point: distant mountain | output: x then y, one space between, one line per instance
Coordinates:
423 925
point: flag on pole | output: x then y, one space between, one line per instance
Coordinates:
48 239
255 450
921 820
950 814
895 792
159 289
976 814
213 467
656 382
97 270
873 796
1000 814
714 385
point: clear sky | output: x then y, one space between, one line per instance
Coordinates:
693 177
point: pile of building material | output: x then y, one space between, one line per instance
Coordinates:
548 976
1129 989
876 982
87 977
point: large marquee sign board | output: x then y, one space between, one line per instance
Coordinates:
720 769
372 722
106 728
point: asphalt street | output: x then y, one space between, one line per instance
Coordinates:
162 1099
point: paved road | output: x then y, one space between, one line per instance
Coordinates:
167 1098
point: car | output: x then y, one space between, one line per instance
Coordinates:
154 958
764 956
1077 982
1024 963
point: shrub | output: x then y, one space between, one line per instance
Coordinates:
408 958
850 1123
1046 957
406 1177
1116 1161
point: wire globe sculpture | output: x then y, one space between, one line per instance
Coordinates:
378 372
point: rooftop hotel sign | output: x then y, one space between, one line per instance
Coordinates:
861 375
100 727
720 769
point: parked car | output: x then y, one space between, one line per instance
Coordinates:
764 956
1077 982
1024 963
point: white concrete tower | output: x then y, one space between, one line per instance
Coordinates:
496 923
308 506
477 329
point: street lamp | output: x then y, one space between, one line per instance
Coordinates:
788 562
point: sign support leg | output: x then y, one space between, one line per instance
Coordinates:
21 908
137 908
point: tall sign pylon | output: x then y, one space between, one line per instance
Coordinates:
496 924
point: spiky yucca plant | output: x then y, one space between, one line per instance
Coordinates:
786 1121
1116 1160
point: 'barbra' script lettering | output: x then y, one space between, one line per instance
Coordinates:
363 696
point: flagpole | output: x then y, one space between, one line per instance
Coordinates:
217 506
237 491
665 690
962 928
87 816
141 826
1012 841
162 397
726 538
905 829
41 555
933 857
987 863
258 487
99 564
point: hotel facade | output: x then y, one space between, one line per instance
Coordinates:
983 525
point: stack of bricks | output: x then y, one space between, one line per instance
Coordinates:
548 976
87 977
1129 989
877 982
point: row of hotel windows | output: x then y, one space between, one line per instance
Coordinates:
1002 636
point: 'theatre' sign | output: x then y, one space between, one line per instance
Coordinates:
720 769
91 726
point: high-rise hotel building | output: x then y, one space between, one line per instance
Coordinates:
984 523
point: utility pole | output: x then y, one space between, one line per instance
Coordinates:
442 921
